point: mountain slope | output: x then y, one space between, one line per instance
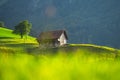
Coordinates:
88 19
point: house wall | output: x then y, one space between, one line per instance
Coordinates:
62 39
49 43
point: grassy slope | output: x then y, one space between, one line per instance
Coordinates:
7 33
79 66
11 43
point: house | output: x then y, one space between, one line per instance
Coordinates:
52 38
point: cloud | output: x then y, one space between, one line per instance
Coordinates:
2 2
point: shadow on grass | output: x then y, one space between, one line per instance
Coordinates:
23 45
76 48
8 41
6 51
87 50
6 37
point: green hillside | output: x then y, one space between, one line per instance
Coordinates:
11 43
4 32
14 42
7 33
71 62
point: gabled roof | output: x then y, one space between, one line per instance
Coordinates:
52 34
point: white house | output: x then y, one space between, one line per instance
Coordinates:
52 38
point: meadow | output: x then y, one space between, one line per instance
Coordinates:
76 66
21 59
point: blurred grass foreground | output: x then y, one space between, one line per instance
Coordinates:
58 67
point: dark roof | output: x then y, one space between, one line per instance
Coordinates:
52 34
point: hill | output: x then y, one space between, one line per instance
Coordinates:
6 33
11 43
88 19
71 62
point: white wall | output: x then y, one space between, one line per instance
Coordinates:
62 39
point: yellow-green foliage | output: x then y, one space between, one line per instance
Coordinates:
58 67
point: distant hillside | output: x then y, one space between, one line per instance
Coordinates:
86 21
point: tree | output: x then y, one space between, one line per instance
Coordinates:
2 24
23 28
